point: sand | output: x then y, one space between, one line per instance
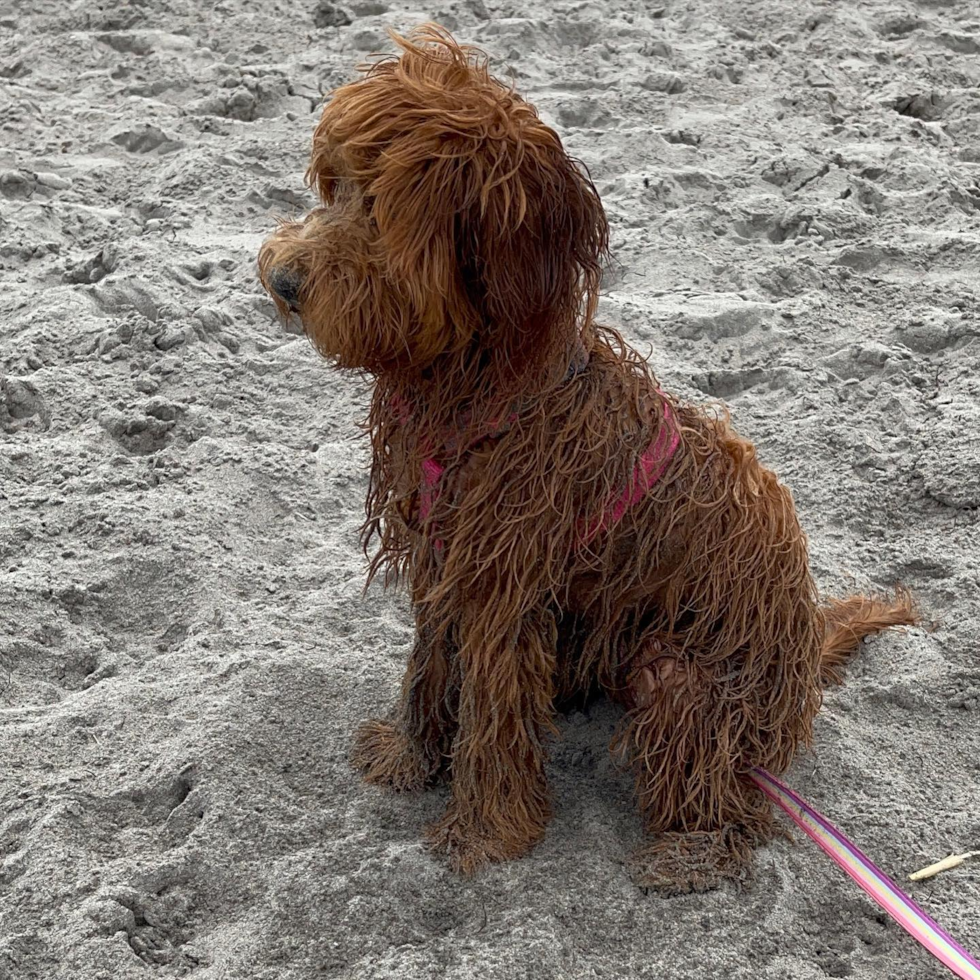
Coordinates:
794 193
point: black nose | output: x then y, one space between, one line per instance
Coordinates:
286 285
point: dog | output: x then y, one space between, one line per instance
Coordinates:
565 527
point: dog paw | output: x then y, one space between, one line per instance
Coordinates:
388 757
678 863
468 846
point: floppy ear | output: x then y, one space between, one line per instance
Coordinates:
534 246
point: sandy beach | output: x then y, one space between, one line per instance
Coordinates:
794 196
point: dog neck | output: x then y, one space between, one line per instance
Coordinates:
482 409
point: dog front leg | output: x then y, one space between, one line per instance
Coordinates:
500 800
409 751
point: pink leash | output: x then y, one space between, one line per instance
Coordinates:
874 881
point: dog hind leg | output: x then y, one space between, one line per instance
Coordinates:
691 736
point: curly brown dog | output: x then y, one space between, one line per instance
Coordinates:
564 526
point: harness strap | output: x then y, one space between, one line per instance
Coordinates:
648 471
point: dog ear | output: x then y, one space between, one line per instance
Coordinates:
488 227
534 246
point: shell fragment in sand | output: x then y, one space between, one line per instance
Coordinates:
951 862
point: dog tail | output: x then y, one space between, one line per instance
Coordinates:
850 620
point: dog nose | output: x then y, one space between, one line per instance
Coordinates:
286 285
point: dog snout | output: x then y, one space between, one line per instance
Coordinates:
286 284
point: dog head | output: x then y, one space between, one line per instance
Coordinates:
452 219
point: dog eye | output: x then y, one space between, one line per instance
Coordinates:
327 188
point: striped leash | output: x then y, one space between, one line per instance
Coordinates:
874 881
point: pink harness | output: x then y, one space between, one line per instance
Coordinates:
646 473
